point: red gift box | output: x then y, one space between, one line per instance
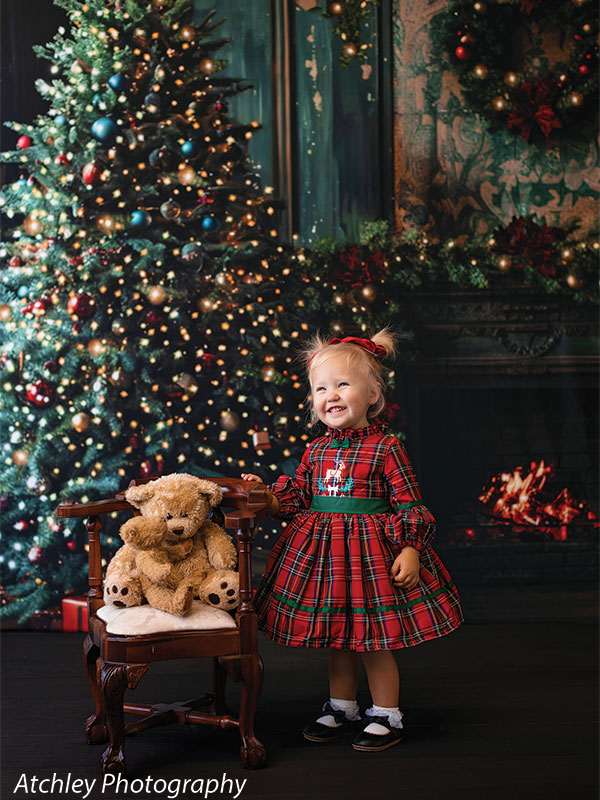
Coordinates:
74 614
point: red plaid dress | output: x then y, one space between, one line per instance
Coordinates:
327 581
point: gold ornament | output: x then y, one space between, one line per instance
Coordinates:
157 295
369 293
337 326
106 223
338 299
20 458
5 312
186 175
206 304
335 8
268 373
498 103
188 33
574 282
350 49
207 66
504 264
480 71
187 382
511 79
81 421
479 7
576 98
32 225
229 421
568 254
95 347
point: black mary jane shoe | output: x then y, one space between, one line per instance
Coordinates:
373 742
317 732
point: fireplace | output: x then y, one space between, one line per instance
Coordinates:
502 383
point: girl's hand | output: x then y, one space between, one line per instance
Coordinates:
405 569
248 476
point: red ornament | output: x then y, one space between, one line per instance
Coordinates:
584 69
15 262
91 174
71 545
154 318
81 304
208 361
40 393
146 469
462 53
35 554
61 160
23 142
21 525
41 306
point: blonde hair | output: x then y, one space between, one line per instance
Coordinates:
318 350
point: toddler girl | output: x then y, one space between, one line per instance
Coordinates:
354 571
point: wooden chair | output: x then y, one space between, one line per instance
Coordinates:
114 662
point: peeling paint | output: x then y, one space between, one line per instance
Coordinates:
318 101
311 35
366 70
311 64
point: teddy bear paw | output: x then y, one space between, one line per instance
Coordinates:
221 590
122 593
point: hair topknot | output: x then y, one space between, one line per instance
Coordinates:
317 350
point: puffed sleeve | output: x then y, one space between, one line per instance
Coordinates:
294 494
410 523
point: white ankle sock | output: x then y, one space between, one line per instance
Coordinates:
349 707
394 716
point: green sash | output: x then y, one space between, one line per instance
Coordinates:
355 505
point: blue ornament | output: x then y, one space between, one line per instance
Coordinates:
152 102
140 218
105 130
211 223
118 82
60 120
96 100
23 291
190 148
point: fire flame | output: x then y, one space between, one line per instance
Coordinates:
515 496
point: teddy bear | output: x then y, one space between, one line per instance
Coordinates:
172 552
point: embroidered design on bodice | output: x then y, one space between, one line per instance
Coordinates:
334 483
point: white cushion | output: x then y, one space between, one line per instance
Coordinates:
139 620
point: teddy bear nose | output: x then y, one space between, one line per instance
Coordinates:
177 531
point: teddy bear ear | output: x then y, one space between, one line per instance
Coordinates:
211 490
136 495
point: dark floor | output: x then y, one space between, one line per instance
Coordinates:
495 711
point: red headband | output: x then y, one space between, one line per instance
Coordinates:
372 348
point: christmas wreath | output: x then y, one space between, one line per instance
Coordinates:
500 51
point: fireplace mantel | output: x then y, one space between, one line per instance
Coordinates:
491 331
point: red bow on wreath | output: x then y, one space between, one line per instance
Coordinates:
532 106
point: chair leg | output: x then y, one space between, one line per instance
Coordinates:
96 731
113 680
252 751
219 681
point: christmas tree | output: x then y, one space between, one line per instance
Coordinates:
141 287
